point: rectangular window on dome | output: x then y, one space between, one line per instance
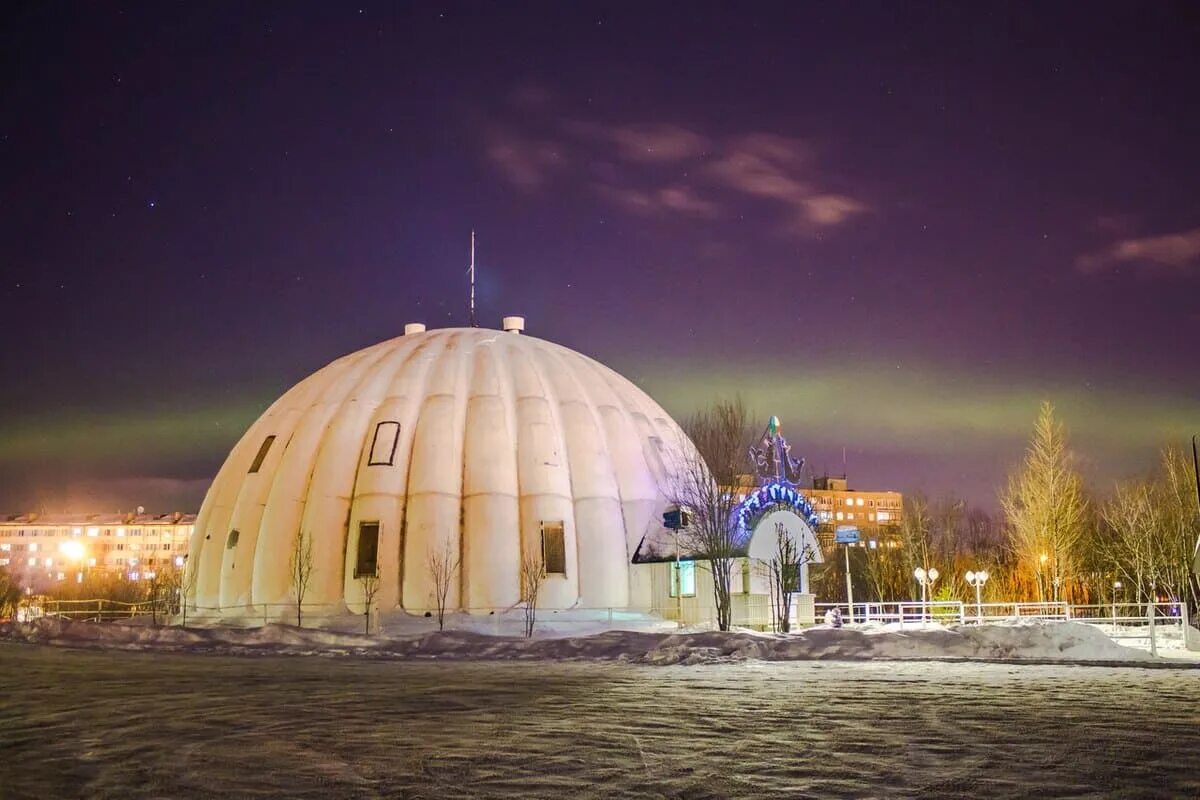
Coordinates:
366 563
554 549
262 453
230 543
383 445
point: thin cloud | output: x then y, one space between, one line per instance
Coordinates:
650 143
779 169
673 199
1177 252
526 163
656 169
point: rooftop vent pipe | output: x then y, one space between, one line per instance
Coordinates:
414 327
513 324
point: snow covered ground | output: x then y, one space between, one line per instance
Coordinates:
1025 640
113 723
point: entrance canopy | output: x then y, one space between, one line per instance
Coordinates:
764 541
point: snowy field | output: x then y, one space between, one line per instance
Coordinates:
109 723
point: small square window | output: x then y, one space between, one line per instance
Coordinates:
262 453
554 550
383 445
232 541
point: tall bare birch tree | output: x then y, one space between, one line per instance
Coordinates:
1045 507
705 481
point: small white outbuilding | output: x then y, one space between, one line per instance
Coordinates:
481 443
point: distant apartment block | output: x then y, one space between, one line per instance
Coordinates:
42 549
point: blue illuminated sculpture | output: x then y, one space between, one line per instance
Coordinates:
778 474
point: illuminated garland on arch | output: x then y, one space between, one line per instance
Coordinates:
767 498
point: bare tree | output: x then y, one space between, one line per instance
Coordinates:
443 564
10 593
917 535
1129 545
784 570
162 591
1149 530
705 481
300 568
187 586
1180 523
1045 505
532 573
370 588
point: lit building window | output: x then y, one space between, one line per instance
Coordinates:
33 547
840 515
76 531
871 516
850 516
860 501
683 579
884 516
90 531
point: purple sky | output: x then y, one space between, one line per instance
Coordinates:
898 227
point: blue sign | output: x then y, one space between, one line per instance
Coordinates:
676 518
846 534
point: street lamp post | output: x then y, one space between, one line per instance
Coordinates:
925 577
978 579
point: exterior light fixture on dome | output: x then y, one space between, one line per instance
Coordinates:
464 439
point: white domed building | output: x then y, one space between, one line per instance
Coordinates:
482 443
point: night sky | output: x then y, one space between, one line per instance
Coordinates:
899 227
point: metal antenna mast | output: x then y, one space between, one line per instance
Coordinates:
473 323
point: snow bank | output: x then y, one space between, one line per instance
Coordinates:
1027 640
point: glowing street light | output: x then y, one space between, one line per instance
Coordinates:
74 550
925 577
978 579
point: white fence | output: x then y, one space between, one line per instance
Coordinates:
1150 622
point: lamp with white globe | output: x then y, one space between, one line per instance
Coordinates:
978 579
925 577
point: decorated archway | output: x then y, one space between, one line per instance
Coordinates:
778 473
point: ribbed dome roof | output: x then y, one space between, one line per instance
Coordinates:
463 438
